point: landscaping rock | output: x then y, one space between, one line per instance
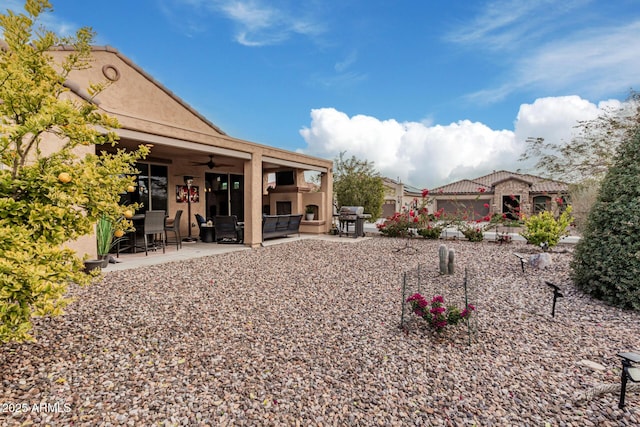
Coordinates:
307 333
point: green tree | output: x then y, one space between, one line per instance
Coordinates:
49 194
606 262
589 155
357 183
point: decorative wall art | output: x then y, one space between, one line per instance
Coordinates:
183 190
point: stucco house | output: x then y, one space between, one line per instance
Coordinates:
504 192
398 196
230 176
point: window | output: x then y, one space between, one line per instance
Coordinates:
511 206
152 188
541 204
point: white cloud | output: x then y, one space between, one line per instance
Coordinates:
261 23
431 155
542 49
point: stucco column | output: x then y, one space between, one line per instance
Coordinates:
253 200
326 187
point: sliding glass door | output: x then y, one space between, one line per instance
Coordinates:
224 195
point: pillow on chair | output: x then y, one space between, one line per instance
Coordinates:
200 220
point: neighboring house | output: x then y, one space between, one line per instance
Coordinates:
501 192
399 197
230 175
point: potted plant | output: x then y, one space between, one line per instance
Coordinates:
310 213
104 235
107 238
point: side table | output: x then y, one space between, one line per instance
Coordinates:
207 233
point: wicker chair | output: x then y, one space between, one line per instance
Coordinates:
227 229
154 226
173 225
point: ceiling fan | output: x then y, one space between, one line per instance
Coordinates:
210 164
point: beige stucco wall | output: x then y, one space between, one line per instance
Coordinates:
516 188
149 113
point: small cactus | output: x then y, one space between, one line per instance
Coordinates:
451 264
442 252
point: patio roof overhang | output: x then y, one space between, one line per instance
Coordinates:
167 144
166 141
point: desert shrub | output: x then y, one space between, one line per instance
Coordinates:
397 225
583 196
606 261
430 232
544 227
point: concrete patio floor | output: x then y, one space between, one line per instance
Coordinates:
200 249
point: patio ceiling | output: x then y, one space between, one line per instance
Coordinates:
165 149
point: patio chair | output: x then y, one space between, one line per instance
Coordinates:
173 225
227 228
201 221
154 226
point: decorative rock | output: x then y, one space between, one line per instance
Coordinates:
593 365
314 339
540 261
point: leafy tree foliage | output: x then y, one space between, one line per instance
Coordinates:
49 194
606 262
590 154
583 195
357 183
544 227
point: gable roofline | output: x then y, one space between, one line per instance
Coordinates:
143 73
512 178
537 184
408 189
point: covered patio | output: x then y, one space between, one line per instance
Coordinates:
228 176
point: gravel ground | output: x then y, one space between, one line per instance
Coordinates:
307 333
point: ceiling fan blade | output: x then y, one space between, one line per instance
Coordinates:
210 164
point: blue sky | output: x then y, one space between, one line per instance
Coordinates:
430 91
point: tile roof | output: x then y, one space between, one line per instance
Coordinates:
409 190
471 186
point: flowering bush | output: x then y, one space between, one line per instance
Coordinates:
417 219
436 313
473 234
398 225
430 232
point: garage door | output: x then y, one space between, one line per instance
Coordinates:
475 209
388 209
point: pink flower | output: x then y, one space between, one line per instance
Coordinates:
437 310
560 201
486 205
414 297
441 324
482 189
425 193
437 298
